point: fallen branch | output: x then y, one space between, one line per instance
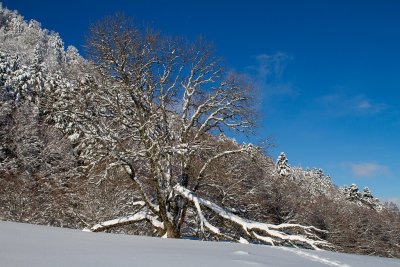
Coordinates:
139 216
274 235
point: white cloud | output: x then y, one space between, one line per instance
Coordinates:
368 169
339 104
267 72
270 65
364 105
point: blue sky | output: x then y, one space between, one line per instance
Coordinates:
328 71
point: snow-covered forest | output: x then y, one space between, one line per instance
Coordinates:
135 139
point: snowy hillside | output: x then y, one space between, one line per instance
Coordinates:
32 245
134 139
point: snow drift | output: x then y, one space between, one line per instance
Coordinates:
33 245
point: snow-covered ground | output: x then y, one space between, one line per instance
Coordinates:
40 246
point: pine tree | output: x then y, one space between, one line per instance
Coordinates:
282 166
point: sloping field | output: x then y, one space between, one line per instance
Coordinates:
40 246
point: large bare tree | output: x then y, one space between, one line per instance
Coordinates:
154 107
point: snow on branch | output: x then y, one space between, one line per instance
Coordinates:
139 216
204 223
274 235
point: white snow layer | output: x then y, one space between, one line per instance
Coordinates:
33 245
141 215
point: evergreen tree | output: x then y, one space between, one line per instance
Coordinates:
282 166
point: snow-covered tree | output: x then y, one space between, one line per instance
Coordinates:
72 56
364 198
282 166
36 161
391 206
152 106
313 180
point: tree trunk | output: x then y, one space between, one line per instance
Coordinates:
172 231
